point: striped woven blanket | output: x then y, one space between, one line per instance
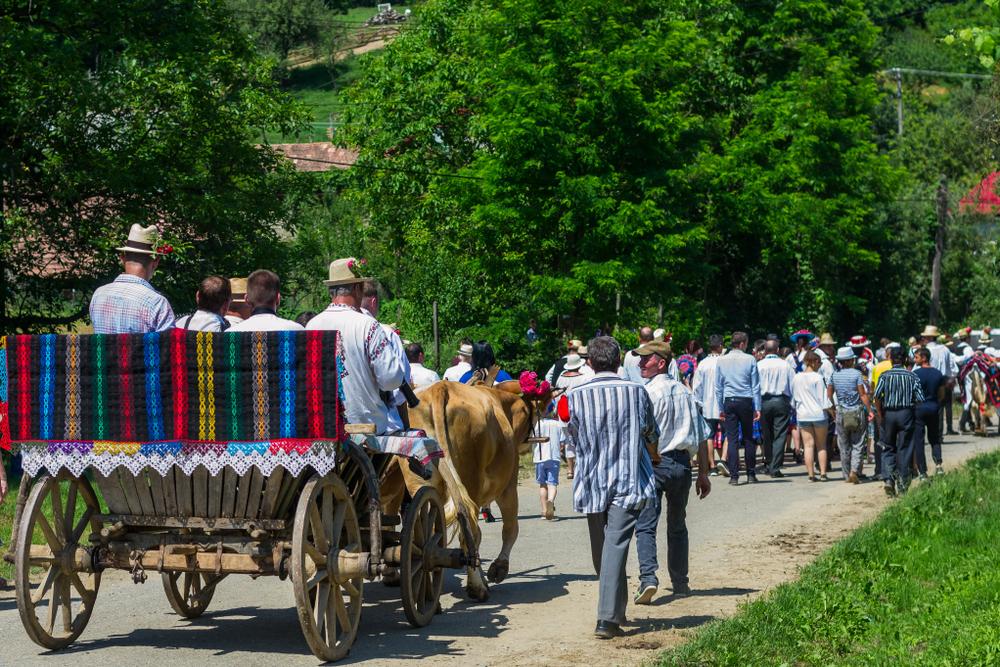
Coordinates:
177 387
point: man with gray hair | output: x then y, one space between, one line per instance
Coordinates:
369 365
737 389
613 429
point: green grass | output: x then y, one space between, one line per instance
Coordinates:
918 586
319 89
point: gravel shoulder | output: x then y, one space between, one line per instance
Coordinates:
744 541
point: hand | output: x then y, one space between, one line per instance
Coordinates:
703 486
3 485
871 416
756 415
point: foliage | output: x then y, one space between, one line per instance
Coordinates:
919 586
982 39
278 26
124 112
523 159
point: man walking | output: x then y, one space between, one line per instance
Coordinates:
776 377
896 395
944 361
853 412
703 388
611 424
683 433
630 364
933 386
737 388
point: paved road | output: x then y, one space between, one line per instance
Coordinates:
744 541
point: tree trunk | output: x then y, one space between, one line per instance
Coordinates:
942 217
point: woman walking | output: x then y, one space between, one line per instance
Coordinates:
811 403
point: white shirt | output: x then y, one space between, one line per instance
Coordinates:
266 322
703 385
233 319
369 363
455 373
809 397
942 359
682 428
555 431
567 382
421 376
796 359
630 368
775 376
201 320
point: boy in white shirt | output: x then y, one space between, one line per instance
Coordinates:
546 458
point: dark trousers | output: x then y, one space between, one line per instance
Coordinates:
897 445
739 412
673 480
948 402
775 414
610 534
926 421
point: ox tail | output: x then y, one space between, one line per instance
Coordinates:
458 495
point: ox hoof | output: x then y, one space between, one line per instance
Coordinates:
478 594
498 571
391 580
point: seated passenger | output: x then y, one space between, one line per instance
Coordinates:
263 297
484 366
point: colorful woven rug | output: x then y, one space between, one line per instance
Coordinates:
177 397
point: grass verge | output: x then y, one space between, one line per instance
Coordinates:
918 586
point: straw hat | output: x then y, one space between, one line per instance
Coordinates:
465 350
930 331
141 240
346 271
582 351
826 339
573 362
574 343
238 286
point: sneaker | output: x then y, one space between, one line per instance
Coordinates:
939 470
824 478
645 594
853 478
714 473
922 477
890 489
752 478
733 481
777 473
722 469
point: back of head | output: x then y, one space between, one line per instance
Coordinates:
715 343
692 347
758 345
605 354
897 355
771 346
645 334
812 360
214 294
482 356
413 352
262 289
140 258
739 338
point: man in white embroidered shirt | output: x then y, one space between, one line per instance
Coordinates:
611 425
369 366
683 433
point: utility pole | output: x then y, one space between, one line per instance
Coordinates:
899 100
942 215
897 74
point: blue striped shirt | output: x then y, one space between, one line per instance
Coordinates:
898 388
845 383
610 423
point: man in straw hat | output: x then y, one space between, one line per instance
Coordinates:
464 365
130 304
572 347
684 434
370 366
944 361
238 309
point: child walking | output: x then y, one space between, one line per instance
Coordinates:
546 458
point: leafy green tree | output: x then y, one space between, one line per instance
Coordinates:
124 112
279 26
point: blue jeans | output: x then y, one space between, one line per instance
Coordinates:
673 480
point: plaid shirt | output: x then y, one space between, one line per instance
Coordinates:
129 305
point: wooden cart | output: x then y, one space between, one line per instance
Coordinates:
201 511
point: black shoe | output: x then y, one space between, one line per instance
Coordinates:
681 590
734 481
777 473
752 478
951 432
608 630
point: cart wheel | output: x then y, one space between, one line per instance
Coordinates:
198 591
328 602
51 569
421 580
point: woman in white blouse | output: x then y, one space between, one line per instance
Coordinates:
810 400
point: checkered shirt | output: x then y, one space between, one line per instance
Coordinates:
129 305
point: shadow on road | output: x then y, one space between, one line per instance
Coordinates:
655 624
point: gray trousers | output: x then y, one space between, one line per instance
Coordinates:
610 535
852 440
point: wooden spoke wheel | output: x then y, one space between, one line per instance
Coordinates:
53 572
420 577
190 592
327 588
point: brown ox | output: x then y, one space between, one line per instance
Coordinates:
482 431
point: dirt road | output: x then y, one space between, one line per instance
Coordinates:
744 541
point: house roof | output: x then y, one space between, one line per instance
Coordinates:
317 156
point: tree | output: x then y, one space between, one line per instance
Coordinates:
278 26
131 111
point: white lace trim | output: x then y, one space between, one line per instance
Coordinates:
34 461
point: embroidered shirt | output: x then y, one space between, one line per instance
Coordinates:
129 305
369 365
